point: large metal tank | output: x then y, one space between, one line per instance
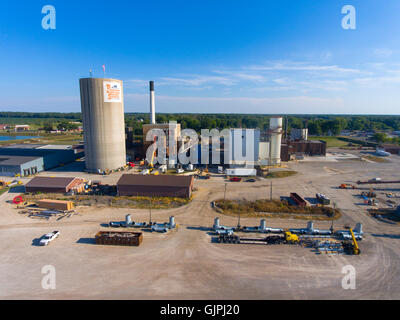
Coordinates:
275 127
102 102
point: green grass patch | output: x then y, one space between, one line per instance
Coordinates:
276 209
116 202
4 190
280 174
376 159
331 142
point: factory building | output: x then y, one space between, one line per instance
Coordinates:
171 130
391 148
102 103
252 147
155 186
51 156
298 134
54 185
290 149
12 166
242 150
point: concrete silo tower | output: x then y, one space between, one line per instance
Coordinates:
102 102
275 127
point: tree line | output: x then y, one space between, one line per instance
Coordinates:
317 124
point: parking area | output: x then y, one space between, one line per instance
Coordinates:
187 264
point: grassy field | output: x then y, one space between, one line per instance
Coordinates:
280 174
45 138
331 142
276 209
376 159
116 202
4 190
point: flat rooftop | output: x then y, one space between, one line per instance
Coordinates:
15 160
53 182
38 146
23 146
150 180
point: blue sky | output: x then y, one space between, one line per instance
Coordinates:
277 56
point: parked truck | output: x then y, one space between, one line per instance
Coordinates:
323 199
298 200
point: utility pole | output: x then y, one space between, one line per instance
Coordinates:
151 198
333 215
225 193
270 195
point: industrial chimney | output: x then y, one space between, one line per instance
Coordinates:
152 104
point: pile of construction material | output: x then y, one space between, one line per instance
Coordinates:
58 205
119 238
48 214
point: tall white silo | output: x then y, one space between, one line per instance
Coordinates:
275 127
102 103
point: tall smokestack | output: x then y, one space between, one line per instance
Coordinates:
152 104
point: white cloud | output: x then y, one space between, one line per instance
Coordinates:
298 104
300 66
383 52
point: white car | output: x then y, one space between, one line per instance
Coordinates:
47 238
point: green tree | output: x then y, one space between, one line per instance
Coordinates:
380 137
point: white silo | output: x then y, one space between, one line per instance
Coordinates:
275 129
102 103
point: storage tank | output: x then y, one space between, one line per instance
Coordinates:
102 103
216 223
128 220
263 224
275 127
172 222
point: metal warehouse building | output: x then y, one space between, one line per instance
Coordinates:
19 165
53 155
54 184
155 186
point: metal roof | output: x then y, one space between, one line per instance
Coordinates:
23 146
52 182
56 147
15 160
150 180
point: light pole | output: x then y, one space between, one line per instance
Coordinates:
225 193
333 214
150 208
270 192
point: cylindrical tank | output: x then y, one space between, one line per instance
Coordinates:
275 126
171 222
216 223
263 224
102 103
128 220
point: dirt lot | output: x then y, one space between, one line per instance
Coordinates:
186 264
